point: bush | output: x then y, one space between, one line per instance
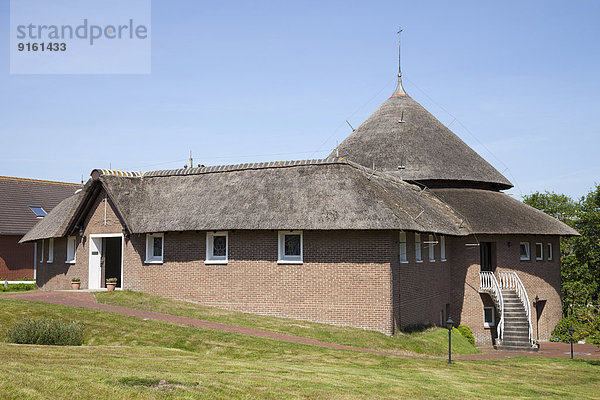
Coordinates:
19 287
467 333
561 331
47 332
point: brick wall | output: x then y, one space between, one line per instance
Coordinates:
423 288
540 278
16 260
351 278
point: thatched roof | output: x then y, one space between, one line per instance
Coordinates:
309 195
429 151
497 213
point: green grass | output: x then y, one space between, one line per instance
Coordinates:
127 357
432 341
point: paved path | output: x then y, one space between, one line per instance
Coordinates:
87 300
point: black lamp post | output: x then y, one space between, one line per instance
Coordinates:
537 317
571 330
449 326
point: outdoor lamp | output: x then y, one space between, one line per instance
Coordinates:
449 326
571 330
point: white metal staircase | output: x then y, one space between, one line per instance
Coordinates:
514 331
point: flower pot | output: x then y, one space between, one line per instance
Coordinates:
75 285
111 286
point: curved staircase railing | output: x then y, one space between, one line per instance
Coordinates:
489 284
510 280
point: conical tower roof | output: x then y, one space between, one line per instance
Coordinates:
404 139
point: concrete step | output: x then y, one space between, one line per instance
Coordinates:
526 347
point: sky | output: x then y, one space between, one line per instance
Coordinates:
238 82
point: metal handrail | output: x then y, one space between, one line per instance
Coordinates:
510 280
489 284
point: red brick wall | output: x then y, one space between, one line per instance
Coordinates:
423 288
16 260
540 278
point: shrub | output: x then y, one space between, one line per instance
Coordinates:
47 332
75 280
18 287
467 333
561 331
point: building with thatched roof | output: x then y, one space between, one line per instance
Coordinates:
403 224
23 202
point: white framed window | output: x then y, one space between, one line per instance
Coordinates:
524 250
443 248
154 248
403 255
431 247
217 250
50 250
290 247
488 317
71 246
550 255
418 256
42 251
539 251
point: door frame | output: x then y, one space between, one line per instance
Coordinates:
100 236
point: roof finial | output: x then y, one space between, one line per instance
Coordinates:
399 89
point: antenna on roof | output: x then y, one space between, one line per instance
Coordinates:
399 92
350 125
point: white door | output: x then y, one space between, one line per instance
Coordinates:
95 272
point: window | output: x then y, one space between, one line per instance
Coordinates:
290 247
539 251
443 248
431 246
38 211
418 256
42 251
216 248
71 245
154 248
403 255
550 257
524 249
50 250
488 317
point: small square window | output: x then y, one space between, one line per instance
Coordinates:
38 211
488 317
216 248
550 256
539 251
290 247
524 249
154 248
71 247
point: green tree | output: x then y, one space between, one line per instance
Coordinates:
580 256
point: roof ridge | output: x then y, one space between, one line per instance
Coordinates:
38 180
223 168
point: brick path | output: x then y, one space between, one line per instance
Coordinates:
87 300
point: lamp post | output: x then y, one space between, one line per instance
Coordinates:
537 317
571 330
449 325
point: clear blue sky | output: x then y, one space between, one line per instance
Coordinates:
270 80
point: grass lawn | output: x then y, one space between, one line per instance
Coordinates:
126 357
432 342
